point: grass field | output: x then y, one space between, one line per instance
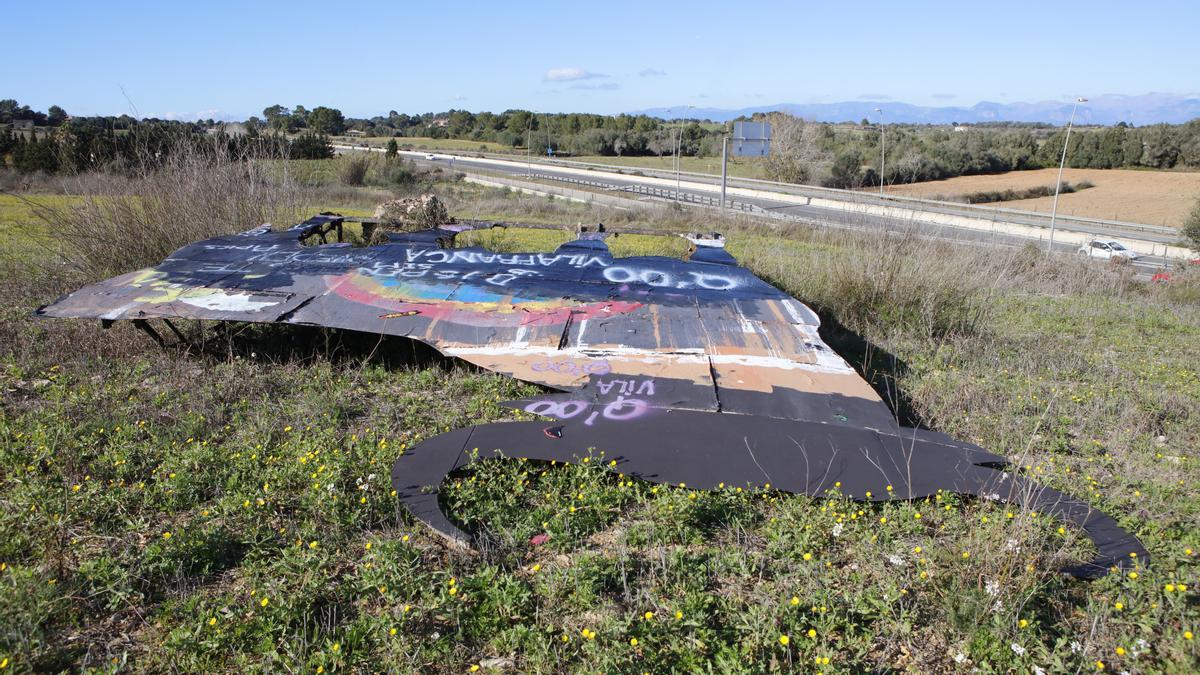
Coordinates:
742 167
227 507
425 143
1151 197
21 236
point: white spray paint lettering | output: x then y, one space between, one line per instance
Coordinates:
620 274
619 410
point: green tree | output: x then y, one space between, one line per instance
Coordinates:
7 143
846 171
34 156
392 149
1160 146
278 117
298 119
519 122
1110 153
310 145
326 120
460 123
9 108
55 116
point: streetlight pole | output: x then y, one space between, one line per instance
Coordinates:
529 145
678 142
724 166
678 159
1062 162
678 138
882 148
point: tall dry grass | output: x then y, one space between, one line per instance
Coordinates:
197 191
871 280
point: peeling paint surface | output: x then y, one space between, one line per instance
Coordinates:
691 371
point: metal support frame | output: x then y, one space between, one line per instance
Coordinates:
145 327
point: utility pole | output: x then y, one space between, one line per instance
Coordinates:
1061 164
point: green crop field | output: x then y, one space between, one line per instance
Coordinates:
227 506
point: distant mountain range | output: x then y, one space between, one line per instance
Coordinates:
1105 109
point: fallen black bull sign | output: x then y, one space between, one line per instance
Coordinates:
691 372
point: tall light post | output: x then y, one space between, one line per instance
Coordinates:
529 145
678 141
1061 163
882 148
678 138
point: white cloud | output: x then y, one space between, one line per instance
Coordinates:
603 86
651 72
570 75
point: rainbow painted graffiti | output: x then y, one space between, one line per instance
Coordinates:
466 304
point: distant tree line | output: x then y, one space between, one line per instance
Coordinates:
11 111
835 155
118 144
560 133
845 155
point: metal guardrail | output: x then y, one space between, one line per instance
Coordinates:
650 191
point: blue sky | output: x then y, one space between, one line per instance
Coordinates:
233 59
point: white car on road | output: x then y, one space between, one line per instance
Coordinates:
1107 249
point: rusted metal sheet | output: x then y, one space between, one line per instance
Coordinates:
688 371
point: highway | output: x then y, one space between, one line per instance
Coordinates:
822 207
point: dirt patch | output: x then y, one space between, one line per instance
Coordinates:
1151 197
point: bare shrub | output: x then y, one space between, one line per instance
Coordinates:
352 168
797 153
194 193
883 280
414 213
